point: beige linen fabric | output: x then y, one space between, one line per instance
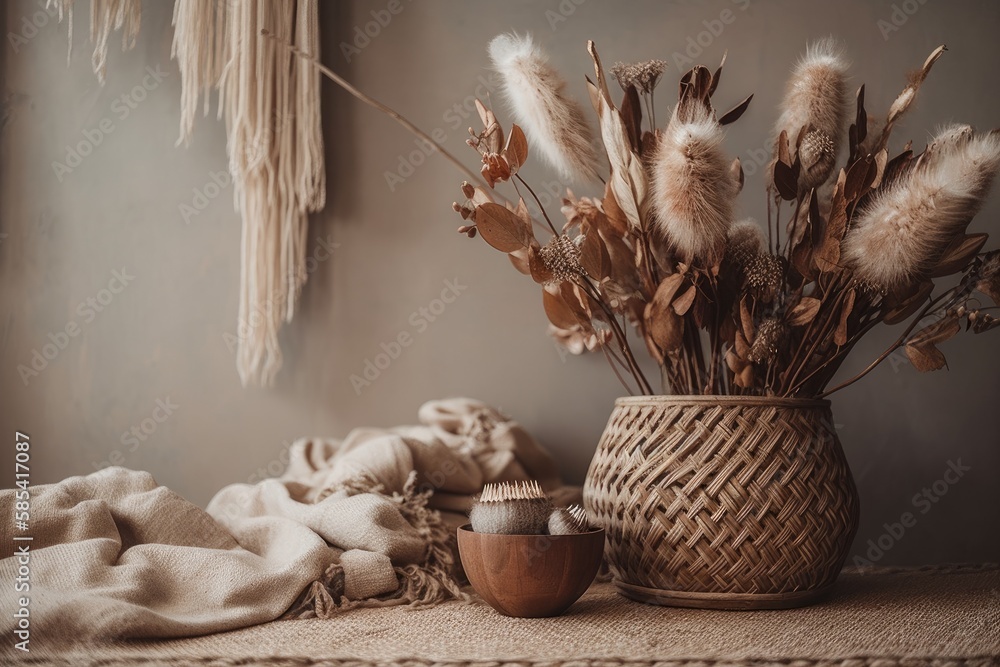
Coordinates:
116 555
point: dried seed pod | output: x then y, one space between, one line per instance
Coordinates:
743 243
770 337
818 155
511 508
561 256
568 521
765 274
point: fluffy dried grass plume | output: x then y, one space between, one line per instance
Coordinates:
551 120
817 97
692 189
903 232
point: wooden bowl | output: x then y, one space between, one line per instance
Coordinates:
530 576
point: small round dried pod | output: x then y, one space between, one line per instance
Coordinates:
511 508
765 274
568 521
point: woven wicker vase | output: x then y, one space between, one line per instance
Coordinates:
724 502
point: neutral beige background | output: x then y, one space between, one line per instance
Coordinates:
163 336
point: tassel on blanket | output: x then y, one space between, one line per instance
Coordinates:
425 584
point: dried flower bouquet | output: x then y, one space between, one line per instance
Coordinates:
723 306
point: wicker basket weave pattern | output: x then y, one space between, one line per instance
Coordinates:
723 495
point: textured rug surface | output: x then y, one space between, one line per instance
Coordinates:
940 616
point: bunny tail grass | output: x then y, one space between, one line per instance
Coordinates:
692 189
899 236
552 122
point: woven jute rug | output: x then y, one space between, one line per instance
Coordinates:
937 616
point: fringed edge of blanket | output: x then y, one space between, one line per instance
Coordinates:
420 585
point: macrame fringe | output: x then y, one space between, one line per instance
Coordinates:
270 101
106 16
422 585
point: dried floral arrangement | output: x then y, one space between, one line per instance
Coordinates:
722 305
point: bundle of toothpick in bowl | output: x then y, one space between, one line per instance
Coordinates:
525 557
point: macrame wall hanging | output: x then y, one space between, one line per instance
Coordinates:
106 16
270 101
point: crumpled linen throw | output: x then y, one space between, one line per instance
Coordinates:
367 521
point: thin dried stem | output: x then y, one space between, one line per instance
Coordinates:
896 345
626 350
395 115
537 201
614 369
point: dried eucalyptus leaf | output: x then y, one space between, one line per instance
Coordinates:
786 181
595 95
881 159
631 113
615 217
623 263
897 166
798 222
736 170
828 254
958 254
519 258
734 114
803 260
502 228
746 320
742 346
861 117
558 311
682 304
667 289
925 357
857 177
901 308
718 74
516 150
664 326
581 303
804 311
840 334
594 256
921 349
937 332
784 155
702 83
522 212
